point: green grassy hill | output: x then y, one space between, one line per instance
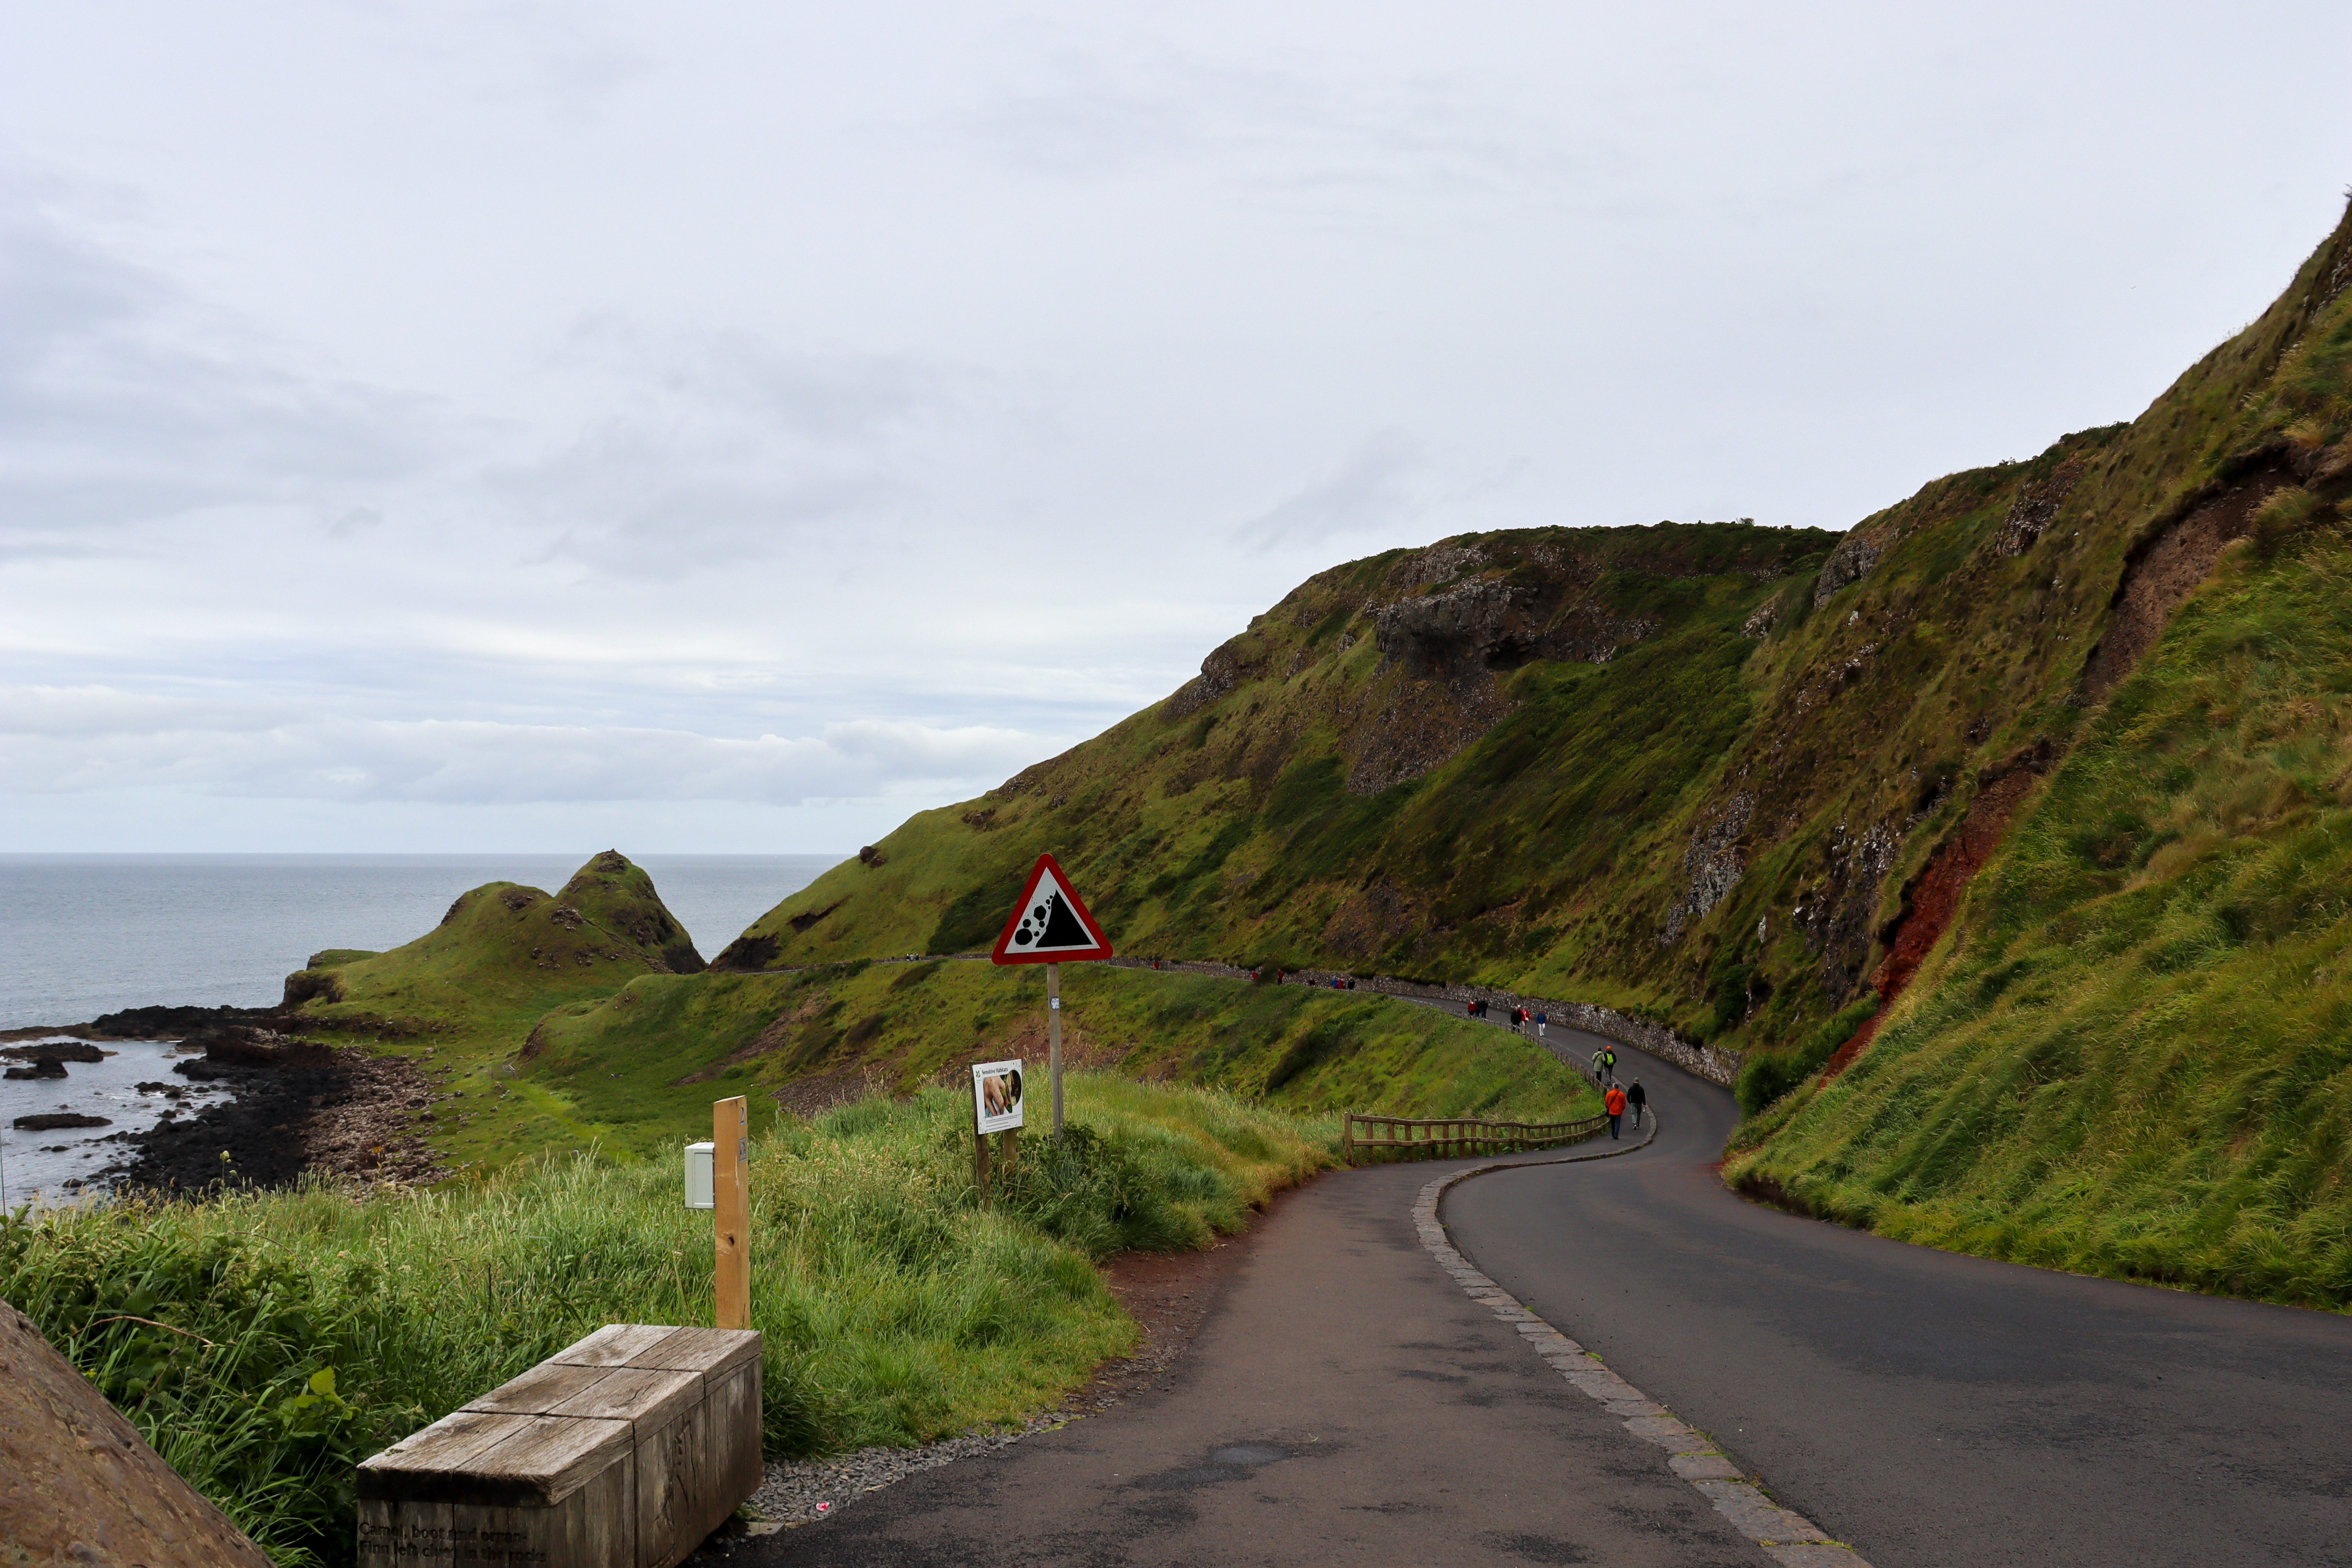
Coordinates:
584 1020
464 998
2020 797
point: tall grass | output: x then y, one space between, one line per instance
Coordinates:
291 1334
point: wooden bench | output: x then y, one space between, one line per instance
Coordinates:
624 1450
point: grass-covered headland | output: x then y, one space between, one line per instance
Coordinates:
308 1328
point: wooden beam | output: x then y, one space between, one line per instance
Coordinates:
730 1183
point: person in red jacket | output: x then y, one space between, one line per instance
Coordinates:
1613 1102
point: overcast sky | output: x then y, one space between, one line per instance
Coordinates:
729 426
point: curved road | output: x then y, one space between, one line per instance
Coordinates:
1930 1409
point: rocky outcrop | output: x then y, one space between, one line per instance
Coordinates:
1836 915
310 986
1712 862
1932 898
54 1121
2035 507
299 1105
1849 563
1479 628
1405 727
1228 665
1436 688
56 1051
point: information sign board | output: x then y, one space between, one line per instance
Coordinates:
995 1097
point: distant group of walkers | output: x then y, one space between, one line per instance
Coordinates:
1521 1017
1616 1101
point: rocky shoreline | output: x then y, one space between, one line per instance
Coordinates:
298 1106
295 1106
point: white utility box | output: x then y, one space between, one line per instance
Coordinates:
699 1194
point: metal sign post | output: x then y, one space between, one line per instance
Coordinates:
1054 1037
1049 924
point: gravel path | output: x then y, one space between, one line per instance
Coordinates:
799 1490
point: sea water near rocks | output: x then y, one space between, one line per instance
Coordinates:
36 1167
86 934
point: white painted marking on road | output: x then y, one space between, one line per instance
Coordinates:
1788 1537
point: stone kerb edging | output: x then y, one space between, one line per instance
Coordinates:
1788 1537
1700 1061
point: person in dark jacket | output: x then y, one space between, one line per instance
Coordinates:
1638 1099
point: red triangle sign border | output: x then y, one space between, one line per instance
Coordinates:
1099 946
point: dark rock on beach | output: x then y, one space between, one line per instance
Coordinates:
50 1122
56 1051
50 1067
167 1023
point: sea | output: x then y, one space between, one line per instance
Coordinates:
86 934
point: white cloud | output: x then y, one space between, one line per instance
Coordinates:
103 739
1371 493
124 400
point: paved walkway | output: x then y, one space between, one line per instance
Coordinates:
1346 1404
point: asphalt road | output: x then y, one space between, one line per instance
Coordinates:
1931 1410
1345 1404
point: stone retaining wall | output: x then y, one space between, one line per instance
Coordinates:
1700 1061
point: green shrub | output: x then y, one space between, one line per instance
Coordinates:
1767 1075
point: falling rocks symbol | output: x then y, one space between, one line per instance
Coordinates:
1049 924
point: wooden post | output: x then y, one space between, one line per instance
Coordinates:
731 1186
1348 1137
979 1166
1053 1038
1011 1150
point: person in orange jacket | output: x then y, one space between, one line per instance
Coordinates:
1613 1102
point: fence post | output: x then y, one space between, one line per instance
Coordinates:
1348 1137
730 1144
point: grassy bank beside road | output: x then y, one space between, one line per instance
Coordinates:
2135 1059
305 1329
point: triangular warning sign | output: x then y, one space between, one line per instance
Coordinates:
1049 925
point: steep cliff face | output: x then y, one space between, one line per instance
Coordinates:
1703 772
1327 785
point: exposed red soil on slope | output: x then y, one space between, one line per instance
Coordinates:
1934 898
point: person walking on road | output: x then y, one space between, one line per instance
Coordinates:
1639 1100
1613 1102
1604 1065
1541 1019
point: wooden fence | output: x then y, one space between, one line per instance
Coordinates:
1448 1138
